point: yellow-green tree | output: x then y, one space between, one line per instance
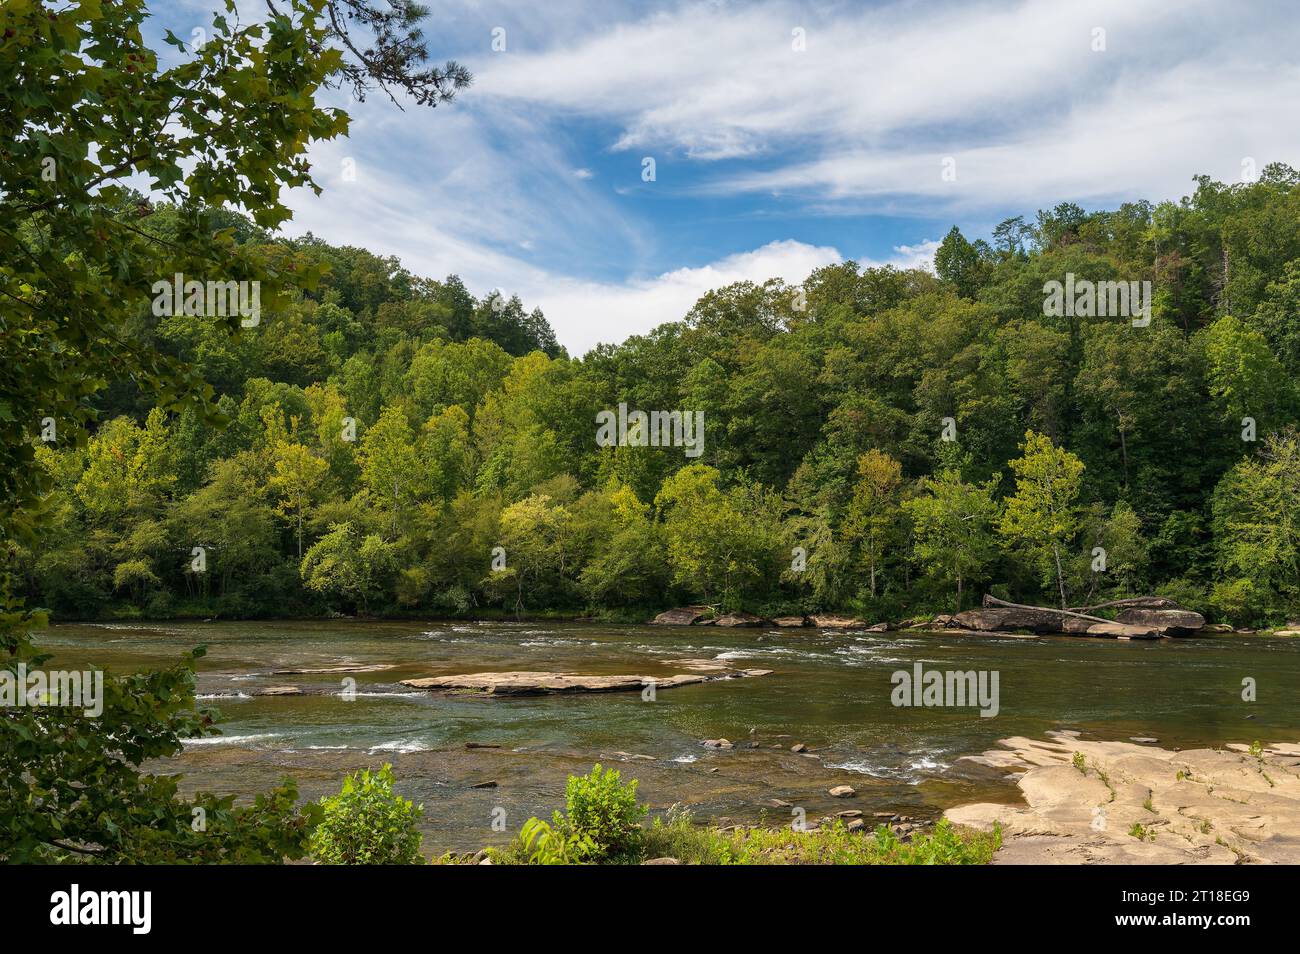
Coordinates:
1042 516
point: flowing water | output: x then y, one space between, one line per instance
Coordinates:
830 691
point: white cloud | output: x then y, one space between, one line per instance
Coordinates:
1016 92
587 313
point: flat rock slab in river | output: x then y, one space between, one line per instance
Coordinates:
375 667
541 683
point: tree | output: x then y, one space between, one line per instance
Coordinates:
85 104
536 534
1257 531
627 565
953 526
297 481
963 264
873 515
719 544
391 468
1042 515
343 563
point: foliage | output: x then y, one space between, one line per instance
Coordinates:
366 823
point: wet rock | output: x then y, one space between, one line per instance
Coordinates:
279 691
790 622
878 628
682 616
780 803
482 745
992 618
850 813
717 744
739 619
542 683
1169 621
489 784
376 667
1143 740
798 747
838 622
843 791
856 824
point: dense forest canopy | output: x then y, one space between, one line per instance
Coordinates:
878 440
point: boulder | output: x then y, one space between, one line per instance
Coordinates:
798 747
843 791
661 861
739 619
1170 621
279 691
838 622
790 622
878 628
717 744
996 618
1121 631
681 616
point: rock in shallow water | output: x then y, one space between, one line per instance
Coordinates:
541 683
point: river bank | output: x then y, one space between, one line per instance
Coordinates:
1099 802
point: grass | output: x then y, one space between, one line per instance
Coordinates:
677 836
1141 832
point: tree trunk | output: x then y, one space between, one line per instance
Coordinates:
1060 574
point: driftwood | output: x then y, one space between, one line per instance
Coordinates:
1139 617
994 601
1132 602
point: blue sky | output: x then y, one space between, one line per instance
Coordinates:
772 160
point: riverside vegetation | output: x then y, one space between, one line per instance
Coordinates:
390 444
602 824
379 438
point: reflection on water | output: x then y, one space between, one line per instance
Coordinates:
830 692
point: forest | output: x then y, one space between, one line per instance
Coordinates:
880 441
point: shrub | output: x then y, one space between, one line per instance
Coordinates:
367 824
603 809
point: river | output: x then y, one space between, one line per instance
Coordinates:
829 691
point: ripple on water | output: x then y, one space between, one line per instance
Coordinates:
231 739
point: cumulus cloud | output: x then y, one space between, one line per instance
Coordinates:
813 112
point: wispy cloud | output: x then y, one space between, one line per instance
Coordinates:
779 128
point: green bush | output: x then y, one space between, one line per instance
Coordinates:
367 824
600 823
602 808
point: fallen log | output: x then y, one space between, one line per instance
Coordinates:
990 600
1132 602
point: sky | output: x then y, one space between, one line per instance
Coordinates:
784 136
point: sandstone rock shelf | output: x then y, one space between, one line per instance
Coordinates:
1127 803
544 683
